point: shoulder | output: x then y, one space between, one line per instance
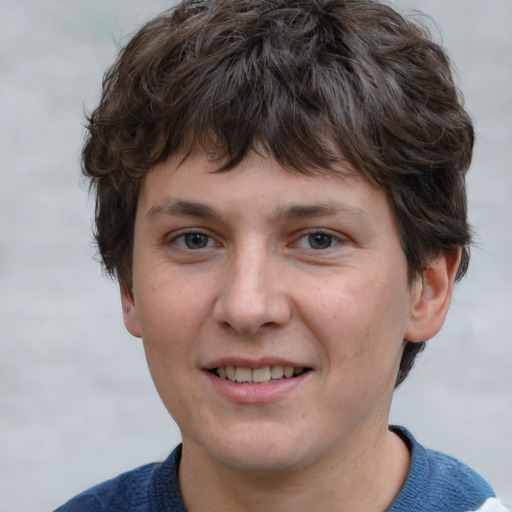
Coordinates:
123 492
438 482
454 477
135 490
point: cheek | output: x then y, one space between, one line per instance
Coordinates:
360 323
170 304
170 315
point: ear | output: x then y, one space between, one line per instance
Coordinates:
130 318
432 295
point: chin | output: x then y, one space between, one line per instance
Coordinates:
264 451
259 461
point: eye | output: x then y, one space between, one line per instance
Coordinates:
320 241
317 241
193 241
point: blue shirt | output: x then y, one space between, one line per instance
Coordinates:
435 483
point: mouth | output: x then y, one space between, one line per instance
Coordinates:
264 375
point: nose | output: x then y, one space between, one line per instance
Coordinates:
252 296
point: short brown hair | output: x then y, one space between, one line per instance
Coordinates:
310 82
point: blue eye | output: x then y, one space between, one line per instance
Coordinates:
317 241
193 241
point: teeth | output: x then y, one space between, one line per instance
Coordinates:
288 372
261 374
230 373
243 374
258 375
277 372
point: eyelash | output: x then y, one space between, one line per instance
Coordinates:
180 240
183 236
333 240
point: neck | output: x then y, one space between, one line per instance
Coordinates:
344 481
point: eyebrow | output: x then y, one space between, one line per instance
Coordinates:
327 209
185 208
322 209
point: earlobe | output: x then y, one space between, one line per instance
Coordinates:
130 318
432 296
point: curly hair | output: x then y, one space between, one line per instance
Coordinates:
309 82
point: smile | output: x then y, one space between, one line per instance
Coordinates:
263 375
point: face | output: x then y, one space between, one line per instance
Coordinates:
272 308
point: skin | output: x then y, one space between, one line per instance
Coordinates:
226 271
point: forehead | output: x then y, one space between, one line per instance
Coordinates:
194 186
190 164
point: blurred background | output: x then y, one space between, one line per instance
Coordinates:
77 405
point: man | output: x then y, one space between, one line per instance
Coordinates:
280 193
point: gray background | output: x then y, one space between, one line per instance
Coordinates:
76 402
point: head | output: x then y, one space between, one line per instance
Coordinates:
309 83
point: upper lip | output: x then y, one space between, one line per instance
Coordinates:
253 363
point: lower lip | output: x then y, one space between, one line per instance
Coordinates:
255 393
